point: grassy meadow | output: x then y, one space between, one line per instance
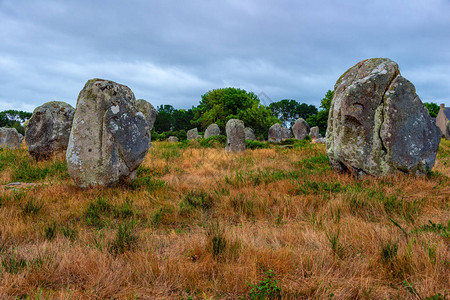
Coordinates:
197 223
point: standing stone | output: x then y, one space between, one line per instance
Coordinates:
48 130
286 133
249 134
150 114
192 134
320 140
9 138
172 139
21 137
314 133
377 123
275 133
212 130
109 137
235 136
300 129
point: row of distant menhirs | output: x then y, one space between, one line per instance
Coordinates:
377 126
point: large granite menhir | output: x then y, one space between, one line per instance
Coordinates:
212 130
48 130
377 124
109 137
235 136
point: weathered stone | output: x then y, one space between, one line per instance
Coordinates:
235 136
21 137
314 133
249 134
192 134
300 129
48 130
9 138
378 125
286 133
275 133
447 130
320 140
172 139
212 130
109 137
150 113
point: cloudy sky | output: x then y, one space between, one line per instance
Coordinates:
173 51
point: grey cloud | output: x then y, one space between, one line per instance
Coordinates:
171 52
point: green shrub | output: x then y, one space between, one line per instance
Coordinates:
249 144
217 141
125 239
266 289
197 199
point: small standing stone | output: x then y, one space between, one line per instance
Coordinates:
172 138
150 114
447 131
235 136
314 133
48 129
300 129
286 133
192 134
275 133
212 130
249 134
9 138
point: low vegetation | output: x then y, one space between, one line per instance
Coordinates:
198 223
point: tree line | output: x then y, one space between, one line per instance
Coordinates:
220 105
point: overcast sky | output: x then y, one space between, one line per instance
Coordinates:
172 52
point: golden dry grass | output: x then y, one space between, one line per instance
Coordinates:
204 224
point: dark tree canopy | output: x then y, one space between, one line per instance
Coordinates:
288 111
220 105
433 108
171 119
14 119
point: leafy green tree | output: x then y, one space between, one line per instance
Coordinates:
288 111
433 108
321 118
220 105
14 119
164 121
182 119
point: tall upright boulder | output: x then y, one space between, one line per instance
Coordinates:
235 136
48 130
212 130
150 114
275 133
300 129
9 138
377 124
447 130
109 137
249 134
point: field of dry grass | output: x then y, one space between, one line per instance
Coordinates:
199 223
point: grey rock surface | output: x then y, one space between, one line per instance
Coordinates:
275 133
314 133
249 134
172 139
377 123
150 114
192 134
109 137
286 133
21 138
48 129
212 130
9 138
300 129
235 136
